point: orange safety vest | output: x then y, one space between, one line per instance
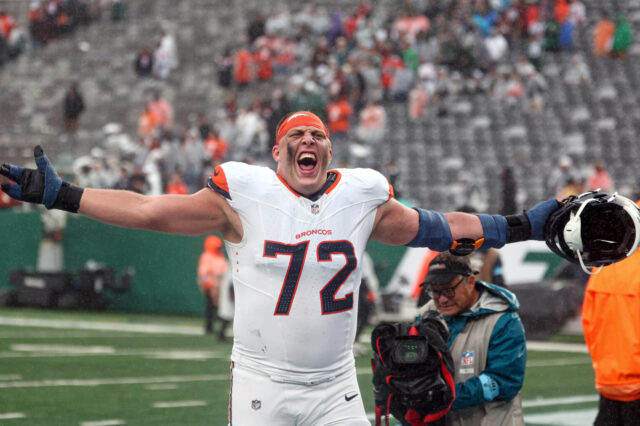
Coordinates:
611 323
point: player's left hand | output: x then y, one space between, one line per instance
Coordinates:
40 185
538 216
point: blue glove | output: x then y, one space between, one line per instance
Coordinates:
41 185
538 216
490 388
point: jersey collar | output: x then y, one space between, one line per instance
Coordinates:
333 177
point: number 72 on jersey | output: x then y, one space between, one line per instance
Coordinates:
298 253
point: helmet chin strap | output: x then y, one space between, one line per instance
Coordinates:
573 236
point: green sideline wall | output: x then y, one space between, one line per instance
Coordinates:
165 265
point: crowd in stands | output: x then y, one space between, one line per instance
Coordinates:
346 68
48 20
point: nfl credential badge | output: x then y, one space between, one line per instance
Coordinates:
466 362
315 208
256 404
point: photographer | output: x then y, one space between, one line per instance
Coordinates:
487 343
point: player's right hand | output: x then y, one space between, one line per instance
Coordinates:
40 185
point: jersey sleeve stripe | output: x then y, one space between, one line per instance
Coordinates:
218 182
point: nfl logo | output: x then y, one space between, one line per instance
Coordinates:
315 208
256 404
467 359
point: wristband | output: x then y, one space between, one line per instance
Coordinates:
68 198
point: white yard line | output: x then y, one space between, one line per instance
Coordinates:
161 387
8 416
177 404
111 422
544 402
557 347
114 381
558 362
102 326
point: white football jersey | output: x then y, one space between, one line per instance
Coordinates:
296 273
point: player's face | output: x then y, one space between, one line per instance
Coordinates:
464 295
303 155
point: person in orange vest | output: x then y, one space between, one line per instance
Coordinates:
212 275
611 324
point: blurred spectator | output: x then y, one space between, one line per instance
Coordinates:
559 178
339 112
255 29
192 157
372 123
118 10
138 181
497 48
389 65
224 65
169 46
204 127
622 38
73 107
561 11
147 122
603 36
551 33
176 185
578 12
7 24
212 276
144 63
161 62
409 24
251 137
574 186
535 89
216 146
418 101
263 61
277 108
243 67
509 190
308 98
565 35
578 72
162 110
123 181
599 179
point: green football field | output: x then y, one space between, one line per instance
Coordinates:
62 368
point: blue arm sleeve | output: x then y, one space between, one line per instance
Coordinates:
506 363
434 231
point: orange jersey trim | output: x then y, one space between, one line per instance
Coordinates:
219 181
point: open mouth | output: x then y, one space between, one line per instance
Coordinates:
307 162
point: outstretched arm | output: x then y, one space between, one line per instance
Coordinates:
460 232
195 214
397 224
200 213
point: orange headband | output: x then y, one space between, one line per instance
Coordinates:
300 118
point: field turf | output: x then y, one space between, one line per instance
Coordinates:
71 368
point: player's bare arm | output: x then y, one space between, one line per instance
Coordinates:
196 214
397 224
459 232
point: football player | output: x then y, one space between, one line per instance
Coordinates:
295 239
